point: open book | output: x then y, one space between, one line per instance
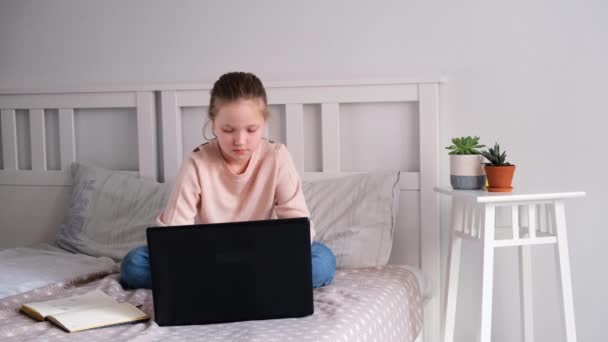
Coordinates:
88 311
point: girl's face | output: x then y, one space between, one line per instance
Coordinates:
238 126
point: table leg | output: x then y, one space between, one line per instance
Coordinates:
526 297
488 273
563 262
452 288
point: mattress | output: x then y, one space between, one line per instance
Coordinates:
366 304
26 268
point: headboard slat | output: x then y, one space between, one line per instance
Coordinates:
37 139
172 134
67 137
9 139
146 134
330 127
294 127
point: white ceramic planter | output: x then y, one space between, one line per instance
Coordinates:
466 171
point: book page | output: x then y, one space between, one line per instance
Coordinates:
116 313
74 303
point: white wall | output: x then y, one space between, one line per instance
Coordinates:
530 74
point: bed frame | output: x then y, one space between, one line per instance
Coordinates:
161 144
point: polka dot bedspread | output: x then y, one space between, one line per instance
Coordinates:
366 304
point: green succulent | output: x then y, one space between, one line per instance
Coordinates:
494 156
465 145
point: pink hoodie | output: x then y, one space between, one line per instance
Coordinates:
269 188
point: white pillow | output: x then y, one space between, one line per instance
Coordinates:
110 211
355 216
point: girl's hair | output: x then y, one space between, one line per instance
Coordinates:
235 86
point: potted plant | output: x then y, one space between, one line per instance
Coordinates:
466 166
499 171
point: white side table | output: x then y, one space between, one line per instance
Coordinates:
537 218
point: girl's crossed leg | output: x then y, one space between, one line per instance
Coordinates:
135 267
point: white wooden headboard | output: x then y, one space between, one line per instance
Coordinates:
330 128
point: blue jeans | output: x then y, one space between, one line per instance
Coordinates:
135 267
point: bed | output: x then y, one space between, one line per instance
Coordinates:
370 193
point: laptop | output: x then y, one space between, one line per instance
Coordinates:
228 272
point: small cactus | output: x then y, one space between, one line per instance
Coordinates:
494 156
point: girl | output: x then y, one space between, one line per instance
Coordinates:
236 177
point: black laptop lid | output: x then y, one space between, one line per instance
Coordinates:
231 271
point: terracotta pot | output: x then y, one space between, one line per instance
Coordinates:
500 177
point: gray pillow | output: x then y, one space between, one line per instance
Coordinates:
110 211
355 216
